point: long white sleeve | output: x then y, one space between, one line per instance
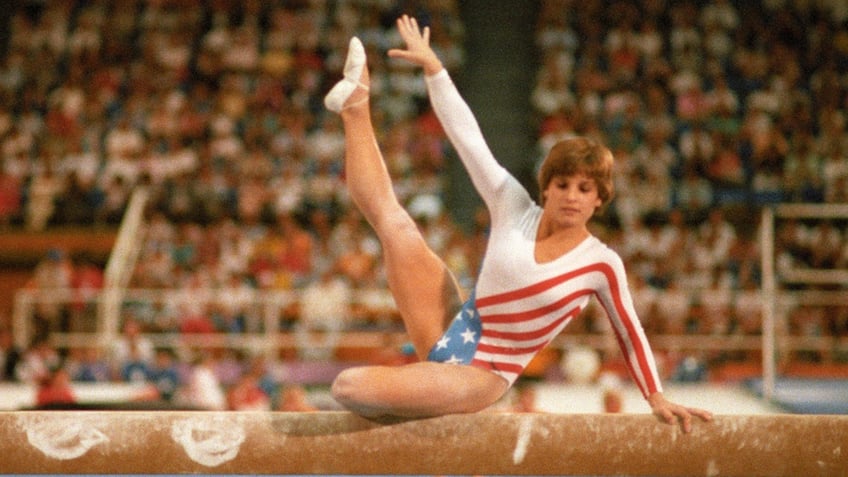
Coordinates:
524 304
464 133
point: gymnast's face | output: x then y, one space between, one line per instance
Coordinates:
571 200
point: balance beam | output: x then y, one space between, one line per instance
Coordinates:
173 442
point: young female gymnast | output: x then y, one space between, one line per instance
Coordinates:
541 266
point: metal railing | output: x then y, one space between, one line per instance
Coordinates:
267 335
773 280
270 336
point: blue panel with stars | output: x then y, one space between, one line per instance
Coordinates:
458 344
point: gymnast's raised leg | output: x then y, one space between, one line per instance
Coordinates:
424 290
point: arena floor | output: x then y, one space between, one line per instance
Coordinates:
717 398
792 396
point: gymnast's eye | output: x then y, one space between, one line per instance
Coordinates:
587 186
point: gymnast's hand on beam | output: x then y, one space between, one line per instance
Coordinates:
672 413
418 49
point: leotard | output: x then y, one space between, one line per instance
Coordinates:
519 305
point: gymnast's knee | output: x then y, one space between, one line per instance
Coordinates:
396 224
348 389
347 385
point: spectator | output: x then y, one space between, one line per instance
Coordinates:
44 189
296 256
135 369
53 275
77 202
262 367
324 313
11 192
235 297
694 192
247 395
37 362
116 194
164 374
838 192
690 369
717 236
195 319
673 309
123 146
808 322
697 147
835 171
825 245
294 398
551 93
358 262
229 365
10 355
131 345
748 308
203 389
610 384
87 365
716 301
87 282
55 389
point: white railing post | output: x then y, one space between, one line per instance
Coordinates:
769 291
772 284
21 318
119 269
270 325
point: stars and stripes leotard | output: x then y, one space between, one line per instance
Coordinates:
519 305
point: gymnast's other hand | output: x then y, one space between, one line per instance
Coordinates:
672 413
418 49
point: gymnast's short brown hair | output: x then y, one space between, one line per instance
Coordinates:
575 156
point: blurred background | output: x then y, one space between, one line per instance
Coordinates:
175 230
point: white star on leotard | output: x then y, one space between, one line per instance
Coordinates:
468 336
443 343
453 360
468 314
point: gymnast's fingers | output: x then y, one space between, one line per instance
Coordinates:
666 415
411 34
408 27
417 49
701 413
685 420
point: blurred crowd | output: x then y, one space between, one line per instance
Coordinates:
712 109
217 106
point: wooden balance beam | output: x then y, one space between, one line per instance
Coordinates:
171 442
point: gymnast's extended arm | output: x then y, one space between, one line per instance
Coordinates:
456 117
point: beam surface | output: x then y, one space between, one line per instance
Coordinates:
171 442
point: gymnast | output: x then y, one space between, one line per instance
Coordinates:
541 265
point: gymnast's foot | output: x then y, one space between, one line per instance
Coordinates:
352 90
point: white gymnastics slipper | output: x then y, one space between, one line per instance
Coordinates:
355 62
